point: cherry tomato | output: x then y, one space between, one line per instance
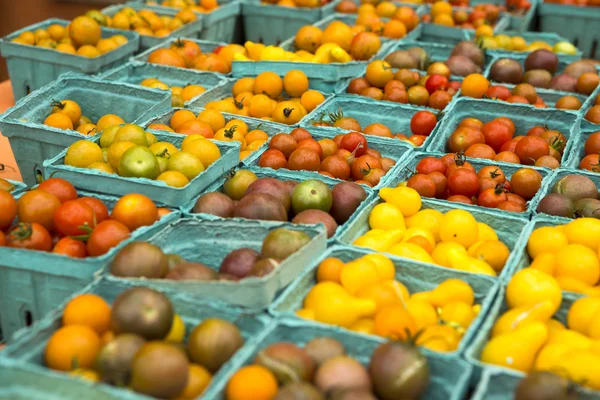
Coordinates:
463 181
74 218
496 133
430 164
105 236
526 182
436 82
459 198
362 165
492 172
374 175
486 183
98 206
463 138
29 235
591 162
422 123
497 92
491 197
355 142
510 206
531 148
8 209
61 188
70 247
480 150
441 183
515 198
422 184
592 144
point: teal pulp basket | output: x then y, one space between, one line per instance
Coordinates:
398 151
507 226
18 186
272 24
449 377
501 25
32 67
578 24
297 176
405 171
395 116
519 22
524 117
158 191
589 103
578 152
33 142
135 73
23 362
34 282
209 242
415 276
188 30
520 57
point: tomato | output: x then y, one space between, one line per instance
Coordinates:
436 82
526 182
272 158
354 142
448 159
70 247
2 239
440 99
508 157
356 85
515 198
29 235
372 92
508 122
517 100
459 198
337 167
441 183
311 144
422 184
463 138
396 95
486 183
417 140
430 164
61 188
422 123
74 218
591 162
531 148
459 162
105 236
374 176
463 181
492 172
98 206
592 144
394 84
480 150
491 197
373 152
300 133
511 145
496 133
537 130
510 206
555 139
8 209
38 206
497 92
471 123
362 165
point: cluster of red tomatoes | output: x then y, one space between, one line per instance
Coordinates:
496 140
52 217
591 160
347 156
452 178
524 93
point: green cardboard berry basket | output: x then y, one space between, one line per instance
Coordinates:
408 169
415 276
209 242
508 227
188 30
449 377
23 361
33 142
523 116
399 151
298 176
135 73
395 116
32 67
34 282
94 180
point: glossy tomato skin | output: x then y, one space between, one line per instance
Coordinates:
422 123
591 162
72 216
531 148
98 206
61 188
273 159
510 206
463 138
70 247
436 82
498 92
459 198
422 184
8 209
592 144
496 133
355 142
463 181
38 206
459 164
29 235
362 165
441 183
492 172
526 182
486 183
105 236
491 197
430 164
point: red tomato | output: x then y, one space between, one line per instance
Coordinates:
362 165
510 206
536 130
526 182
531 148
70 247
515 198
441 183
72 218
492 172
423 122
459 198
592 144
463 181
511 145
498 92
355 141
29 235
436 82
422 184
98 206
463 138
417 140
491 197
430 164
591 162
61 188
105 236
486 183
496 133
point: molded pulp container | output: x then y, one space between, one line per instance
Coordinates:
507 226
429 33
157 190
188 30
407 170
33 142
135 73
520 57
205 45
578 24
34 282
18 186
524 117
473 353
22 362
578 152
398 151
415 276
32 67
519 23
499 384
209 242
272 24
449 377
221 23
548 37
395 116
298 176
